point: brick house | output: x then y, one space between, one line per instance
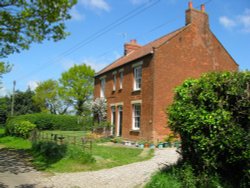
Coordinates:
139 86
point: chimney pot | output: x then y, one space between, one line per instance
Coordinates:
202 8
190 4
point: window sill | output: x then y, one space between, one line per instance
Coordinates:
136 91
135 130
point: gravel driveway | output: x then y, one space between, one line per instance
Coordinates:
127 176
16 172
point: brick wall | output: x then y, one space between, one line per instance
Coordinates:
126 95
188 55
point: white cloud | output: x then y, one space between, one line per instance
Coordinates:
76 15
244 19
241 22
32 85
227 22
96 4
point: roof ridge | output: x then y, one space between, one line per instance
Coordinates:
142 51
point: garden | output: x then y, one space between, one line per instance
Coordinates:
58 148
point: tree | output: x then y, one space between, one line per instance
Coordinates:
24 103
25 21
47 97
99 108
212 117
77 84
4 68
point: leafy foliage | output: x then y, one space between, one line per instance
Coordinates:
48 98
19 128
47 152
77 85
23 22
54 122
212 116
24 104
99 108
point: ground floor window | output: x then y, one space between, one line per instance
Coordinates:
136 116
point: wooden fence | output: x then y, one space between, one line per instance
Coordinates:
85 143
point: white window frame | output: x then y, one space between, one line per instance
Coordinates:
121 79
113 110
137 78
120 109
102 89
114 82
136 119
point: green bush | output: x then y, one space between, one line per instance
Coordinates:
47 153
45 121
19 128
211 115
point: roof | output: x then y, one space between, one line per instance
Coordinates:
141 52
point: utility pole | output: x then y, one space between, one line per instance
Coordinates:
13 98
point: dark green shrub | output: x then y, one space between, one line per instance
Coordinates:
55 122
212 116
19 128
47 153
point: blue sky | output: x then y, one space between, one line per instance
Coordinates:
96 42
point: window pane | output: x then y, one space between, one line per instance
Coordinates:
137 77
137 116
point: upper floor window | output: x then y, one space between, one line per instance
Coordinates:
121 79
114 82
137 77
102 91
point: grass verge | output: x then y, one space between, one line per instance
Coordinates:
74 158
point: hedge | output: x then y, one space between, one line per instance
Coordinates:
212 117
45 121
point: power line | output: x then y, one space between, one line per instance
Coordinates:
101 32
108 28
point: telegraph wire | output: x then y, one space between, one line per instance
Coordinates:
98 34
108 28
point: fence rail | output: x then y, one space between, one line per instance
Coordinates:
85 143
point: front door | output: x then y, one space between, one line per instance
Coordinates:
119 126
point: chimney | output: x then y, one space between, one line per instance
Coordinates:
197 17
131 46
190 4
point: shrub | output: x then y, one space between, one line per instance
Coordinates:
47 152
212 115
55 122
20 128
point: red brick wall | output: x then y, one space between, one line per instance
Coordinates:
191 53
188 55
126 95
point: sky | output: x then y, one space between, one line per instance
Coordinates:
99 28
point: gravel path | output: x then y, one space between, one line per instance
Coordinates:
127 176
16 170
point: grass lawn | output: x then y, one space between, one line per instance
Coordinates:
75 158
105 157
78 134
